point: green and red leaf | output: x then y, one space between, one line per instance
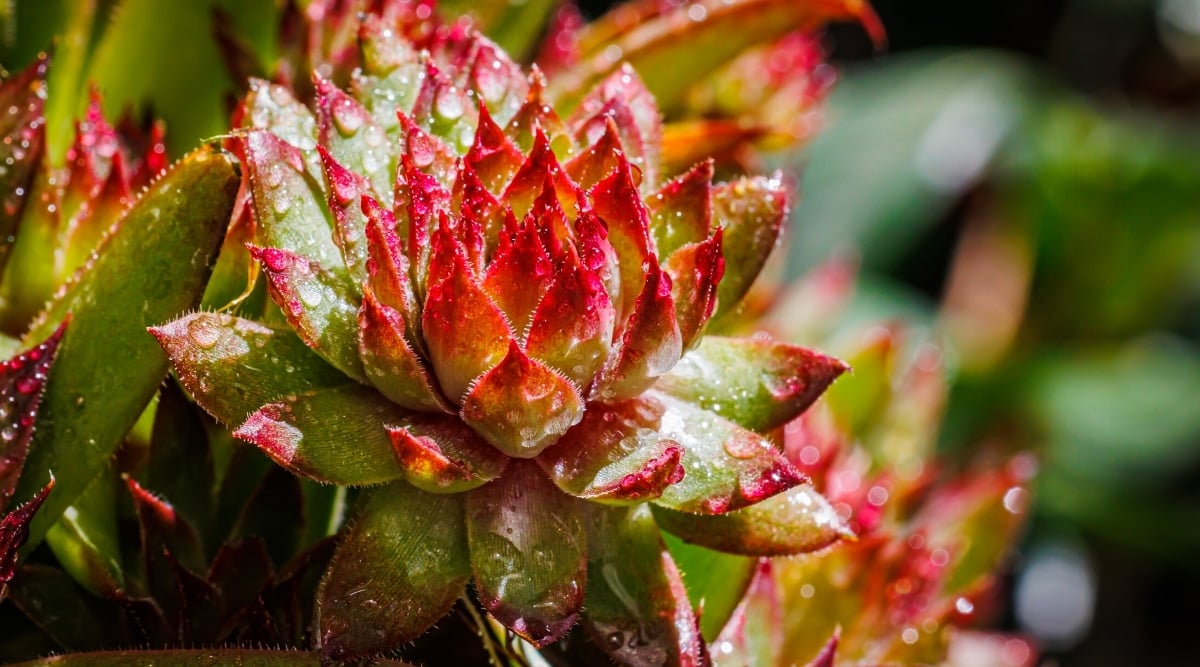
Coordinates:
232 366
528 553
638 609
612 457
399 569
798 520
333 435
752 211
14 531
759 384
442 455
23 127
522 406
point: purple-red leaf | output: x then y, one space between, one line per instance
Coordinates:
528 553
345 190
14 530
23 127
22 382
695 271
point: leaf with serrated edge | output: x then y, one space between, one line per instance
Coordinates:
22 382
399 569
798 520
638 609
759 384
290 205
528 553
232 366
751 211
334 436
609 457
443 455
14 531
152 267
320 306
726 467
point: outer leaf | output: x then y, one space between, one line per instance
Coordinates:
752 211
289 203
74 618
320 306
180 465
86 540
528 553
725 466
22 382
443 455
759 384
398 570
752 635
799 520
334 435
14 531
23 127
152 267
232 366
611 457
638 609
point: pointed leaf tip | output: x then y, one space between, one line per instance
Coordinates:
22 383
14 531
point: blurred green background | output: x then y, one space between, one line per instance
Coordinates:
1021 177
1025 176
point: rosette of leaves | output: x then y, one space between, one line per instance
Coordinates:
931 541
479 312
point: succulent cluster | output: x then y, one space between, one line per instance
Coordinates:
505 310
467 312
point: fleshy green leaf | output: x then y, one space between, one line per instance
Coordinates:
320 305
726 467
611 457
23 127
681 212
798 520
232 366
398 570
151 267
751 210
22 382
638 609
86 539
289 201
334 435
861 398
759 384
528 553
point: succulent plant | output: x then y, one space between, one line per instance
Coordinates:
930 540
496 319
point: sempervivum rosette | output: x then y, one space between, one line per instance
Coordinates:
494 318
